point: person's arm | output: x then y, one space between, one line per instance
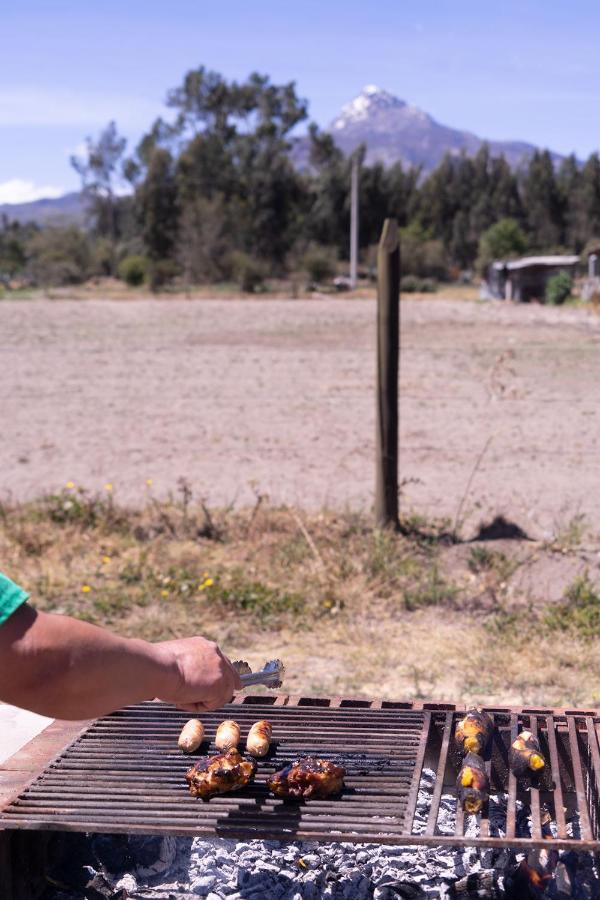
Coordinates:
61 667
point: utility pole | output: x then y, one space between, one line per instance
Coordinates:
388 352
354 221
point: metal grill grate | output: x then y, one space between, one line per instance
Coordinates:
125 774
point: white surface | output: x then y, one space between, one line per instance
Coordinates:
527 261
17 728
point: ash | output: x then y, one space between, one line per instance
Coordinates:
155 868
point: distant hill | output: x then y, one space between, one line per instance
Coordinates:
393 131
68 209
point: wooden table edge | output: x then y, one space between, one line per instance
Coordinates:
24 766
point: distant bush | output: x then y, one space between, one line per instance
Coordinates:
59 256
558 288
133 270
103 257
161 272
422 255
503 240
319 263
410 284
248 272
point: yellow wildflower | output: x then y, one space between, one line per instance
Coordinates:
149 482
327 604
208 582
164 593
108 487
106 559
70 485
85 588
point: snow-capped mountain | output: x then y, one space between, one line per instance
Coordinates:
392 131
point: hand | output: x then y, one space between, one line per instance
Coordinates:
202 677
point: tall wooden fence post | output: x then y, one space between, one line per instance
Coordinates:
388 339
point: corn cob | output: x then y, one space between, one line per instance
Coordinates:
474 731
472 784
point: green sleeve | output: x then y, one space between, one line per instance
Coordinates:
11 597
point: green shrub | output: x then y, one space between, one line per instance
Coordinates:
579 611
503 240
133 270
422 255
410 284
59 256
558 288
319 264
249 273
161 272
103 257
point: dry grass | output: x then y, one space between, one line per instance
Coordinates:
348 609
114 289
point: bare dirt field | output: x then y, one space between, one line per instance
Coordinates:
277 396
498 417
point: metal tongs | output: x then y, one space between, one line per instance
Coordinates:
271 674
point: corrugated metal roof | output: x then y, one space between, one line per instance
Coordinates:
527 261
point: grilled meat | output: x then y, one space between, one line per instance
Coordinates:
219 774
525 755
259 738
474 731
192 735
472 784
228 735
308 777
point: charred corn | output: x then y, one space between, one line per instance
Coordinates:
474 732
472 784
525 754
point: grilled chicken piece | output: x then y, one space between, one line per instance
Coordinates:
307 777
472 784
219 774
525 754
474 731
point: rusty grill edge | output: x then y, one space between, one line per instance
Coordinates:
124 774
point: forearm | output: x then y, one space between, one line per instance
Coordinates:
69 669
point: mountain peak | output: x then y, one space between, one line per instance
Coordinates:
371 100
394 131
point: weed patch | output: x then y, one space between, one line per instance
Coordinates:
580 610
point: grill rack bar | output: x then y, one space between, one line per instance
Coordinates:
125 774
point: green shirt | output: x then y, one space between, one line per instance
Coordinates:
11 597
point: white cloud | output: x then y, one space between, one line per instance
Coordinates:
18 190
25 105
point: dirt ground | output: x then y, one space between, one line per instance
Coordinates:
498 412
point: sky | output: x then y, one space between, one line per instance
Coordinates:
526 70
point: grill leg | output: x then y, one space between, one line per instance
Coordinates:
23 858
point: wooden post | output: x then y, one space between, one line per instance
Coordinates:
388 335
354 221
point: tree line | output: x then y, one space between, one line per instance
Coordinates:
214 194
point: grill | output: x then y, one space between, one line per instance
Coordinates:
124 774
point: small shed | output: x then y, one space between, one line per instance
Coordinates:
525 279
